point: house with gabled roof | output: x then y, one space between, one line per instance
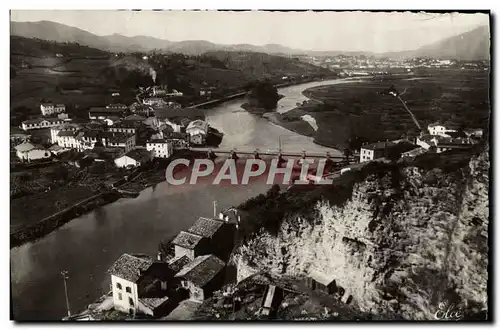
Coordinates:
206 236
320 281
39 123
134 158
139 284
189 245
202 276
30 151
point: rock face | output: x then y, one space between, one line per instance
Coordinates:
408 241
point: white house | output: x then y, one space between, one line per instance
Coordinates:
54 131
50 108
134 158
438 129
68 139
427 141
161 148
29 151
139 284
41 123
373 151
118 140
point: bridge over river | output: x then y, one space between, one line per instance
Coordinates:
269 152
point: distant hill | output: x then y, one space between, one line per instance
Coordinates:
47 30
82 76
472 45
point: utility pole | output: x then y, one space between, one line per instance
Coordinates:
215 209
64 274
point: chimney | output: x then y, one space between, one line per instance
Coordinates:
159 256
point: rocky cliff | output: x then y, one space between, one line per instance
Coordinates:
410 238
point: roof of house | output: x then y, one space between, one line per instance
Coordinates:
60 105
378 145
91 133
174 135
199 124
124 124
140 155
435 124
187 240
135 118
321 277
39 120
206 227
117 137
473 130
454 145
153 302
55 147
415 152
157 141
202 269
129 267
106 110
170 113
27 146
176 264
66 133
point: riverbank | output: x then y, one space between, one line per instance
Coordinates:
32 232
302 118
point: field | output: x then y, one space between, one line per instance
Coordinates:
32 208
358 110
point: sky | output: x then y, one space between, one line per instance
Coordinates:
346 31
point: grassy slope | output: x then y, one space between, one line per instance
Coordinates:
408 238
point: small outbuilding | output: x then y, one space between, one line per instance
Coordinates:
320 281
202 276
134 158
272 298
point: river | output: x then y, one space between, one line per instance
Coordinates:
89 244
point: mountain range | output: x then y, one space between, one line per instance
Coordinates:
472 45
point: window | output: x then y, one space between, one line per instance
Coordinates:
119 296
128 289
131 301
119 285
